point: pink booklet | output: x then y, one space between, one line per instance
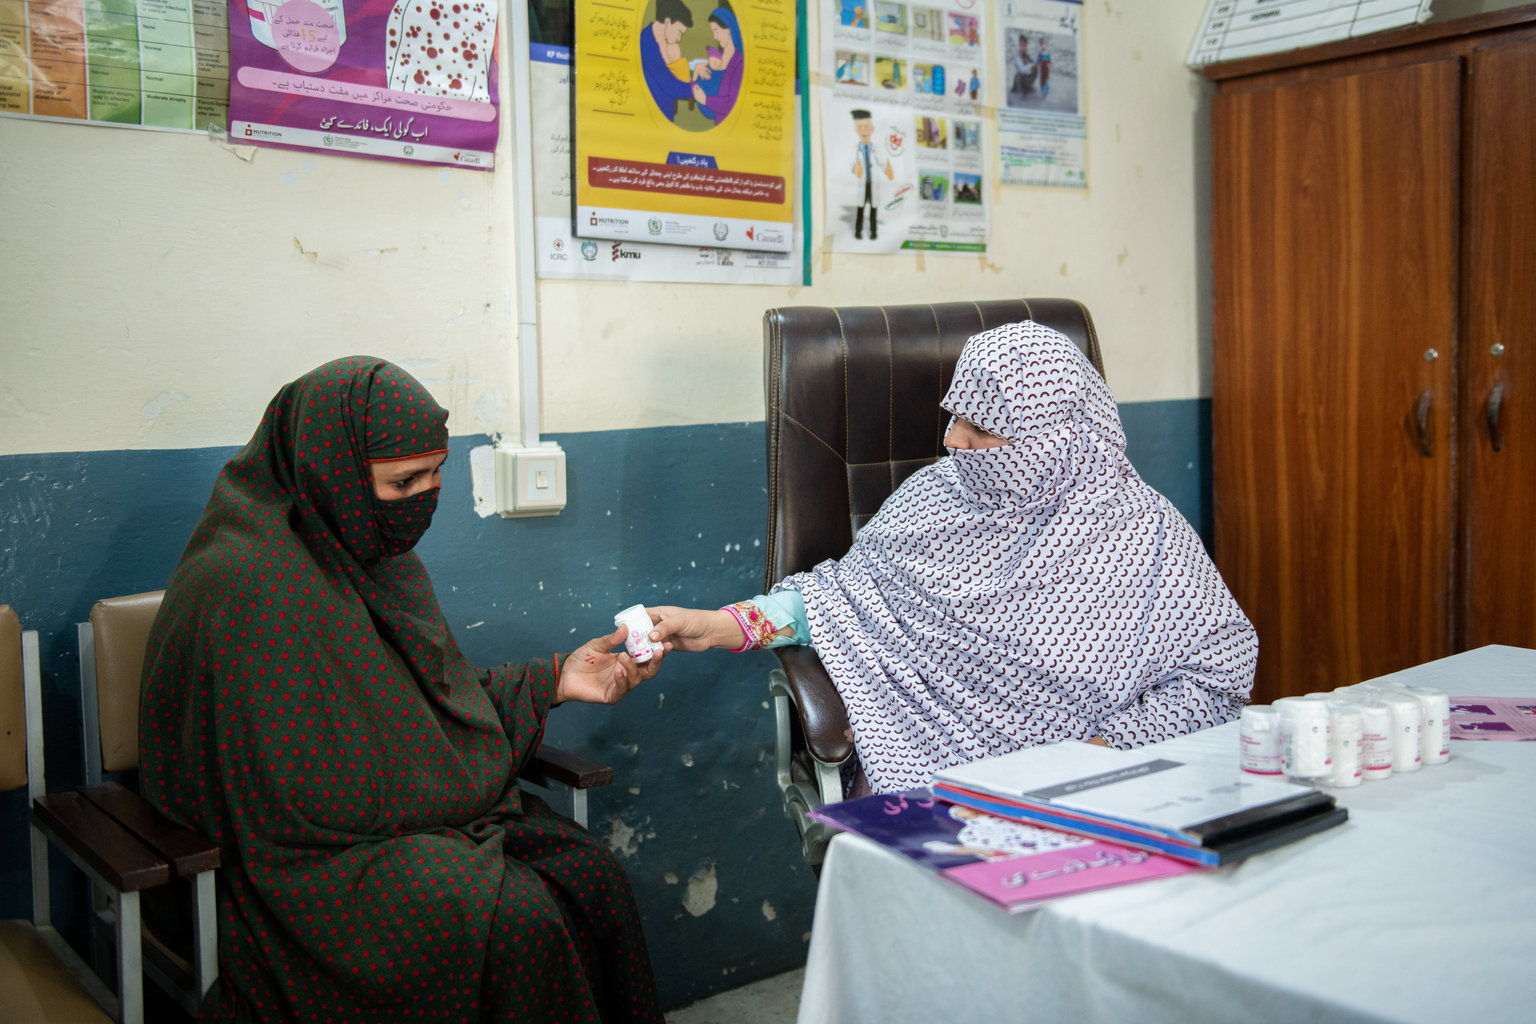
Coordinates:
1028 880
1015 865
1493 718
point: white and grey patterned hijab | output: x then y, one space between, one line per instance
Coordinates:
1040 591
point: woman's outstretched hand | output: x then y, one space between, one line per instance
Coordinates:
695 629
595 674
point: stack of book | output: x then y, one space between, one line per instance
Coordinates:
1194 813
1014 865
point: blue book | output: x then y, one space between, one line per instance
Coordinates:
1202 814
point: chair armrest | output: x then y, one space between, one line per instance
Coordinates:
823 717
186 849
99 844
553 766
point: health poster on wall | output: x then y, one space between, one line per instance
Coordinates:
563 255
684 122
131 63
902 126
1041 127
409 80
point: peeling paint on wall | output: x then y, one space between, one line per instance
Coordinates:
156 405
768 912
490 411
482 479
702 888
624 839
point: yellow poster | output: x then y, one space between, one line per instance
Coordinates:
684 114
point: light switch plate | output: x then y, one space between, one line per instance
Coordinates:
540 479
530 481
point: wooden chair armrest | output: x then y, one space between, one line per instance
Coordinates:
188 851
551 765
823 717
96 841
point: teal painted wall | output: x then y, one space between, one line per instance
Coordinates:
670 515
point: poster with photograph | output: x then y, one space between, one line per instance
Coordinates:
410 80
684 122
902 126
1041 126
563 255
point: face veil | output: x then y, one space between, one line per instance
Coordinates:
1028 593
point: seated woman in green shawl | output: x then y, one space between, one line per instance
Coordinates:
306 706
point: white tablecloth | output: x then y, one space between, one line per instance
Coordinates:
1422 907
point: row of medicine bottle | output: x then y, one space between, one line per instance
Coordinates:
1365 731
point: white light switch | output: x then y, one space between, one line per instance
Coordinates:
530 481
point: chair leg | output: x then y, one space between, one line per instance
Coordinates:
42 902
826 787
130 960
205 935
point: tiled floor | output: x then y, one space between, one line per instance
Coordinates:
770 1001
773 1000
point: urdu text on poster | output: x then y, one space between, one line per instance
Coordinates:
684 121
408 80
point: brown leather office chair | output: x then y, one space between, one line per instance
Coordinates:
42 978
181 949
853 410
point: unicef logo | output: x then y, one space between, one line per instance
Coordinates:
326 139
721 230
589 251
409 150
654 226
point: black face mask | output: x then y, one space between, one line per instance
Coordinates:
402 522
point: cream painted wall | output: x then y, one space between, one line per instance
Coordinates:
1130 248
159 288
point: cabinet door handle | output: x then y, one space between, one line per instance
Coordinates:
1495 404
1421 420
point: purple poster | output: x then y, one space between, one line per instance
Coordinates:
411 80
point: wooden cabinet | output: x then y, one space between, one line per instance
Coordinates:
1374 393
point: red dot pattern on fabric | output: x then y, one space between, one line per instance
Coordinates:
306 706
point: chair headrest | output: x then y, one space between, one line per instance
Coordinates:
13 716
121 629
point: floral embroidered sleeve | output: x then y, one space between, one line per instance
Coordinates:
771 620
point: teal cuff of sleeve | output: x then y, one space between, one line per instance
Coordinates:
785 608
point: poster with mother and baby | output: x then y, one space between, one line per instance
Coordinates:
683 116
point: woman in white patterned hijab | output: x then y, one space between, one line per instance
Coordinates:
1028 588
